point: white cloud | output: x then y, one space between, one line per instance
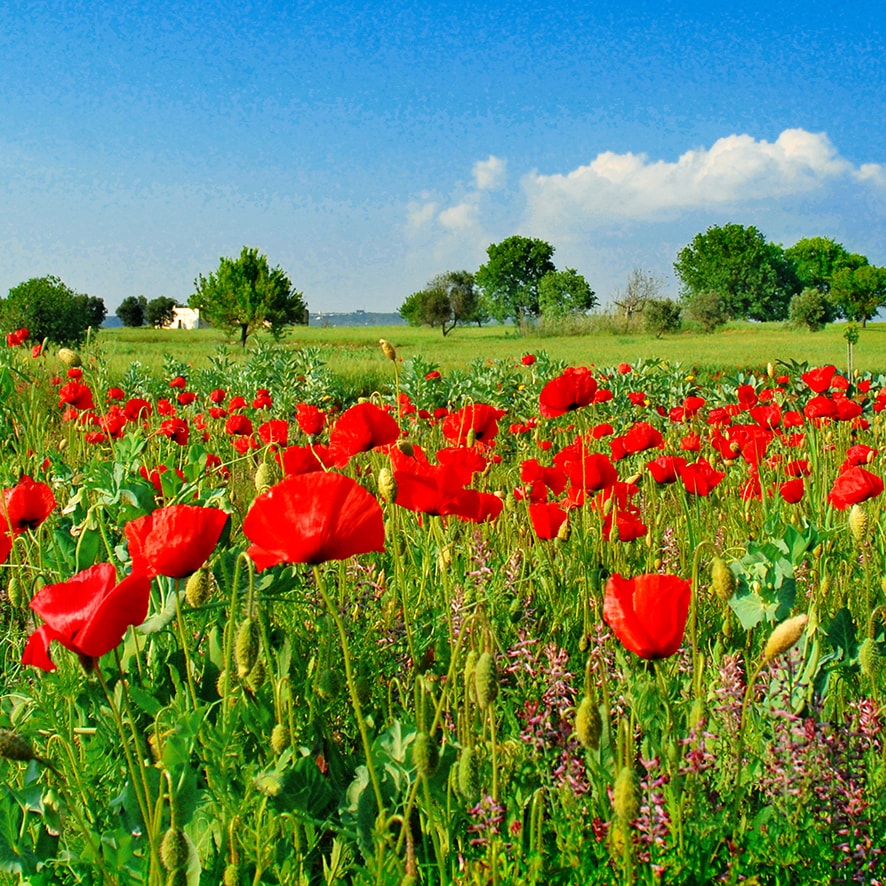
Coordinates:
735 169
491 174
459 217
418 215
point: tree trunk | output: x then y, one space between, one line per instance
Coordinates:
244 331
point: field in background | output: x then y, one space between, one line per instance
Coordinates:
353 352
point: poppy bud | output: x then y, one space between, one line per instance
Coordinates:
722 579
784 636
269 784
264 477
486 680
467 776
425 754
70 358
364 690
279 738
387 485
328 684
565 530
858 523
174 849
256 677
388 349
470 667
625 802
232 875
14 746
588 724
406 448
198 588
869 659
246 647
15 591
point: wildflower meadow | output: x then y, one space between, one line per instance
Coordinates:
519 623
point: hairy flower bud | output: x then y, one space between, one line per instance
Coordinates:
784 636
174 849
858 523
722 579
387 485
486 680
467 774
388 349
70 358
14 746
588 724
625 802
198 588
246 647
425 754
279 738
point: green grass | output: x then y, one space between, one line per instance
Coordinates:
354 351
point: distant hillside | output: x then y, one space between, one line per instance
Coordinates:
356 318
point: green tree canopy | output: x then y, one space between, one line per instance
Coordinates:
752 276
132 310
859 292
817 259
160 311
813 309
448 300
246 294
509 280
51 310
564 294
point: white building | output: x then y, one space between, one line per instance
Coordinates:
187 318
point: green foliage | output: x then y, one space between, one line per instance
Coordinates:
751 275
708 309
131 310
661 315
448 300
859 292
51 310
817 259
564 294
510 279
246 294
812 309
160 311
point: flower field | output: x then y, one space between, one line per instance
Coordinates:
519 623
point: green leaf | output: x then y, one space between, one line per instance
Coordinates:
841 633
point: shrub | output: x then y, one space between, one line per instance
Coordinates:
661 315
708 310
813 309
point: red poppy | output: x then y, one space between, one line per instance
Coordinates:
438 490
75 394
571 390
648 612
236 403
312 518
186 398
792 490
700 477
527 359
475 423
19 337
238 425
116 394
691 443
136 408
310 419
624 368
304 459
178 382
218 395
860 454
274 431
640 437
480 507
262 400
88 614
466 460
637 398
536 474
174 541
361 428
854 486
665 469
747 396
819 380
623 524
176 429
28 504
546 519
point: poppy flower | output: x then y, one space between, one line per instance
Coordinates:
174 541
238 425
262 399
178 382
792 490
115 394
475 423
176 429
587 471
304 459
28 504
819 380
546 519
136 408
648 612
88 614
623 525
479 507
310 419
574 388
637 398
361 428
665 469
854 486
75 394
16 338
527 359
438 490
186 398
274 431
312 518
700 478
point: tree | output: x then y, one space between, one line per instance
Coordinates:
812 308
51 310
708 310
641 286
132 310
859 292
246 294
661 315
816 259
509 280
447 300
564 294
160 311
752 276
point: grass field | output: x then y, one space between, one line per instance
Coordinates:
353 351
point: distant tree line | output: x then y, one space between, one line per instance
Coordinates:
136 310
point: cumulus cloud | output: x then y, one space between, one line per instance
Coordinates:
459 217
734 170
491 174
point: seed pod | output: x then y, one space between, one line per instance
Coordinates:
588 724
387 485
279 738
264 477
468 780
425 754
364 690
246 647
388 349
14 746
858 523
565 530
625 802
174 849
784 636
70 358
486 680
198 588
269 783
722 579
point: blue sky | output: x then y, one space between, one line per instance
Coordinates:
366 147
